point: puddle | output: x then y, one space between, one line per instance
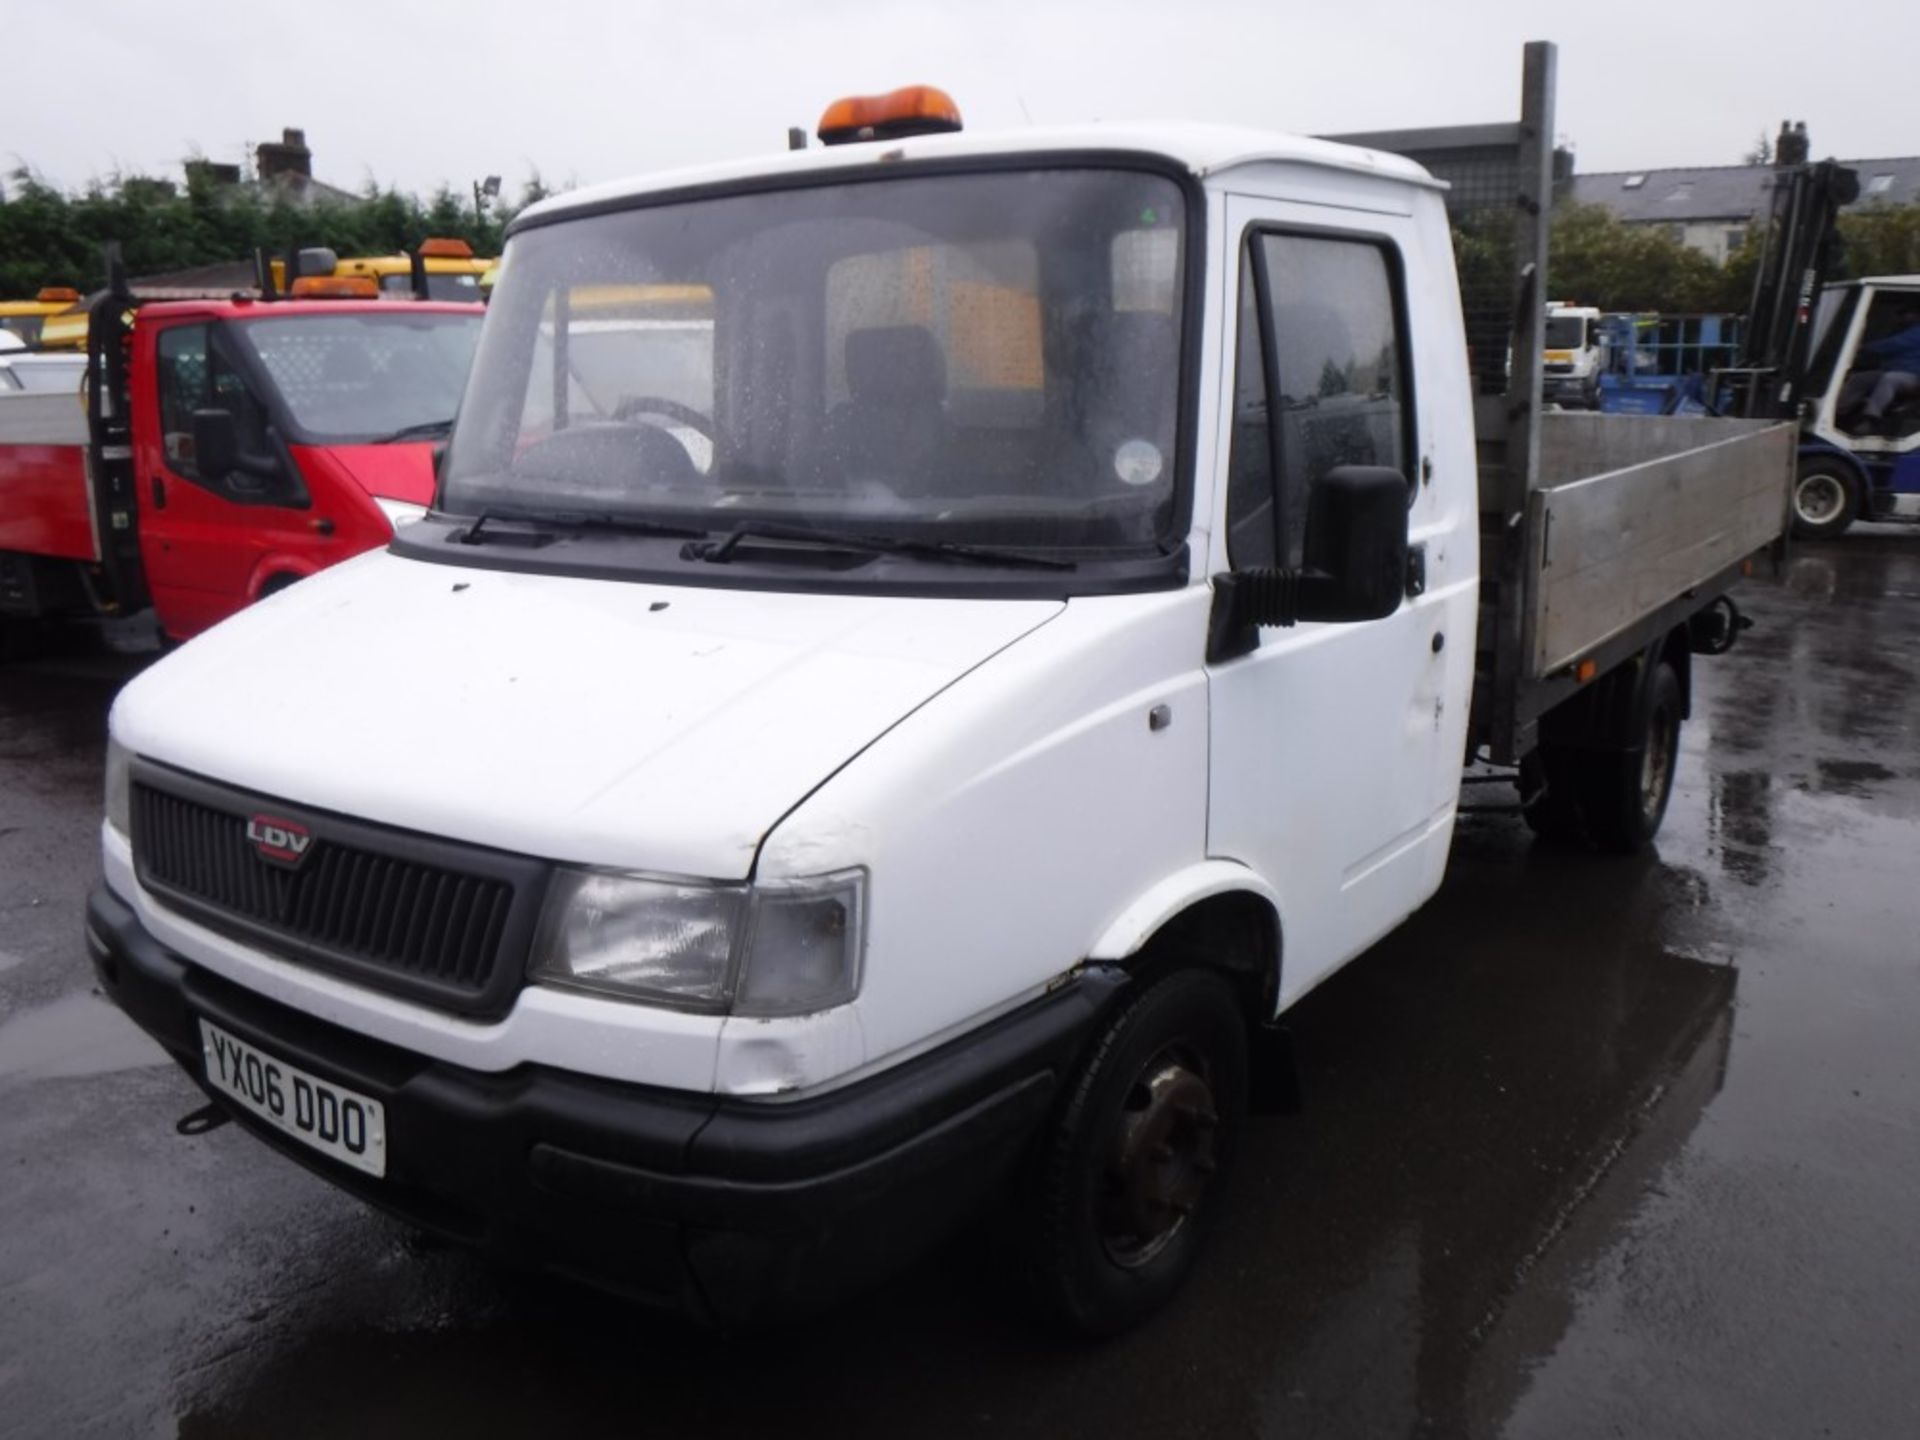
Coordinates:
79 1034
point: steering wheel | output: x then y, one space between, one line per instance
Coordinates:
636 405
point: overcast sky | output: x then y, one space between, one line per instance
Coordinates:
419 92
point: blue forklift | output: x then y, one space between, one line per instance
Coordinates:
1860 443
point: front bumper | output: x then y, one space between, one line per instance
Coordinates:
737 1211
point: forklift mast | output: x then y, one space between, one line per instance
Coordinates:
1800 250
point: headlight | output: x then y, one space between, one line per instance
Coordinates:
784 948
399 512
119 788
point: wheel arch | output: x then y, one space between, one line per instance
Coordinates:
1815 448
1677 650
275 571
1219 912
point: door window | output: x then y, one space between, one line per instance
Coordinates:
1320 347
194 374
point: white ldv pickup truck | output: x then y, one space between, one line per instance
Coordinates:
925 647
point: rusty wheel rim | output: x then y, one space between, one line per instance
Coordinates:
1162 1156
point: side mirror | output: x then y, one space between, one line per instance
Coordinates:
216 443
1355 565
1356 551
219 459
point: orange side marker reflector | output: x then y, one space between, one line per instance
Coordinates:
1585 671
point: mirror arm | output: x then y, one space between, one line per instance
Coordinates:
1243 601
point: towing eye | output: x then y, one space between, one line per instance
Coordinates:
199 1122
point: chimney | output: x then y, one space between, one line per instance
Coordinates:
1792 148
210 173
289 158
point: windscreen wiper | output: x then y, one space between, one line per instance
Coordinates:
720 552
420 431
598 520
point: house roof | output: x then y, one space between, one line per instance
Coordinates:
303 190
1734 193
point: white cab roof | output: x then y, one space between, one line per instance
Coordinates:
1203 150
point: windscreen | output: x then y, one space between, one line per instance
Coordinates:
1566 332
462 287
365 375
982 356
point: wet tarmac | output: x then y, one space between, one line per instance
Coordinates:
1592 1148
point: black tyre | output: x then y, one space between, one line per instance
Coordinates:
26 638
1549 786
1826 499
1624 793
1128 1180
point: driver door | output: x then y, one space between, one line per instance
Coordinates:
1334 752
203 537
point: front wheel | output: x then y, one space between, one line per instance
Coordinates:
1128 1180
1826 497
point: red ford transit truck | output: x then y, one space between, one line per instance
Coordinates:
207 452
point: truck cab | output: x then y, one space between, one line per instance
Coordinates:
1575 357
320 418
1860 455
26 319
447 269
219 451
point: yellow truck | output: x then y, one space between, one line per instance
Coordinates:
451 270
28 319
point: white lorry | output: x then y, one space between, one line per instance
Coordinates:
1576 355
708 870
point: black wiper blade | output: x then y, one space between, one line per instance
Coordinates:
421 431
719 552
573 520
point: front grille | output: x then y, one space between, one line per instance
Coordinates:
429 919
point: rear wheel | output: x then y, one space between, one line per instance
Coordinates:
1624 793
1128 1180
1549 786
1826 498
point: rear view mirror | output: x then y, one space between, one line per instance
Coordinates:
220 460
1355 563
1356 549
216 443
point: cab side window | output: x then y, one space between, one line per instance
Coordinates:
194 374
1329 390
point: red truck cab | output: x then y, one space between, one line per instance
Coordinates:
326 413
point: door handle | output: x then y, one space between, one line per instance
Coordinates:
159 492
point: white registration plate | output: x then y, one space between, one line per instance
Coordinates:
332 1119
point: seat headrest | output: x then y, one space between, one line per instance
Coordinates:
895 364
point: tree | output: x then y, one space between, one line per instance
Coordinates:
48 237
1762 151
1597 259
1880 239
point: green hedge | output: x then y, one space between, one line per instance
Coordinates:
51 238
